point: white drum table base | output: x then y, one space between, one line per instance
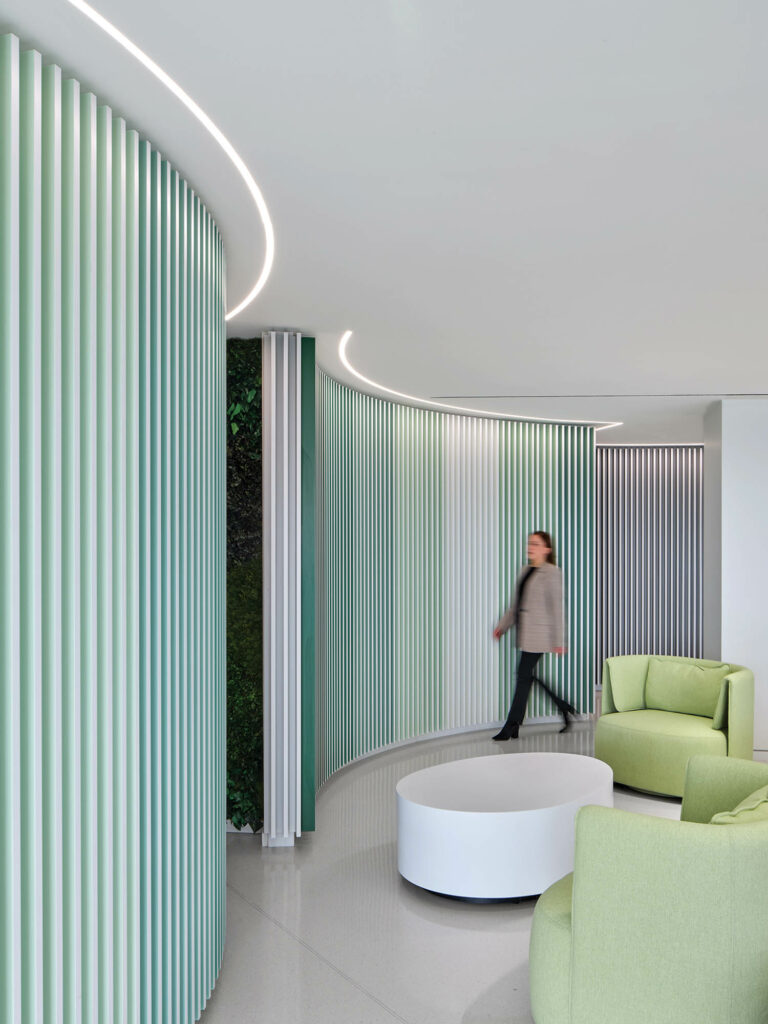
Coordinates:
498 827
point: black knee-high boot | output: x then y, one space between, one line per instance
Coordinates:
523 683
565 709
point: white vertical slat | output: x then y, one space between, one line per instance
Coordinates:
30 335
10 567
281 374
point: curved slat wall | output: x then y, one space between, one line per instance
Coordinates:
422 519
112 553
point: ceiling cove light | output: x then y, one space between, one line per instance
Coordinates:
218 135
598 424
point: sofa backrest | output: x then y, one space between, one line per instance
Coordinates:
687 686
692 686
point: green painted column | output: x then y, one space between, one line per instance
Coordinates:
308 581
112 567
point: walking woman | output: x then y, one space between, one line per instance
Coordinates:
537 612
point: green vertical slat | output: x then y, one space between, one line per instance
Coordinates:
104 565
174 512
222 589
308 532
132 605
119 597
30 372
184 634
10 852
71 558
208 670
88 561
205 598
165 442
146 674
194 821
156 589
52 555
187 624
197 711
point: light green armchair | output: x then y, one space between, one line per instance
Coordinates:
661 922
658 711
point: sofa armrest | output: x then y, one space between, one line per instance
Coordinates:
607 705
648 900
624 683
714 784
741 713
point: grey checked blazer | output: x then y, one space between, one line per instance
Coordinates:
539 620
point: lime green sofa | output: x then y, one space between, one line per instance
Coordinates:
661 922
658 711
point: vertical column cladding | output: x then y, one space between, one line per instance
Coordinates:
112 567
288 460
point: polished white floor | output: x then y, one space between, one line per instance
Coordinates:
329 932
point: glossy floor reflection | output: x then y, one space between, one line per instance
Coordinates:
328 931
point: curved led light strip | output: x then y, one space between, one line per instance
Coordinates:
455 408
209 126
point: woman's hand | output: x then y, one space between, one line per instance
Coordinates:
496 633
560 651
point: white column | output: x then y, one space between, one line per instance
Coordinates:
743 563
281 541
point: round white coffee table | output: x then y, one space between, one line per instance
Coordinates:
495 827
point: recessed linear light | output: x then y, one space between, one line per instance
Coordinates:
454 408
210 127
651 444
692 394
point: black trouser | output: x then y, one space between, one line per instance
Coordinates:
525 680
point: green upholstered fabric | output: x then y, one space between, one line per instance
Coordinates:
711 786
652 753
720 717
650 749
625 680
550 953
741 711
683 686
750 810
669 918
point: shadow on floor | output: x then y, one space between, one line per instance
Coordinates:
496 1004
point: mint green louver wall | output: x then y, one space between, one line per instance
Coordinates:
423 518
112 484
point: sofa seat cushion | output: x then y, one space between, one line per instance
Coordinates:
550 954
686 687
650 749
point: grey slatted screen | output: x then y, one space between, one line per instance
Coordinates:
649 550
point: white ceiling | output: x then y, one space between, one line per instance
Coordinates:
522 201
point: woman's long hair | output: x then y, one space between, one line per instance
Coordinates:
547 540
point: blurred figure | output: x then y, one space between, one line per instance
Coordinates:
537 613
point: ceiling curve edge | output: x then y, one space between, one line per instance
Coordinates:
216 133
